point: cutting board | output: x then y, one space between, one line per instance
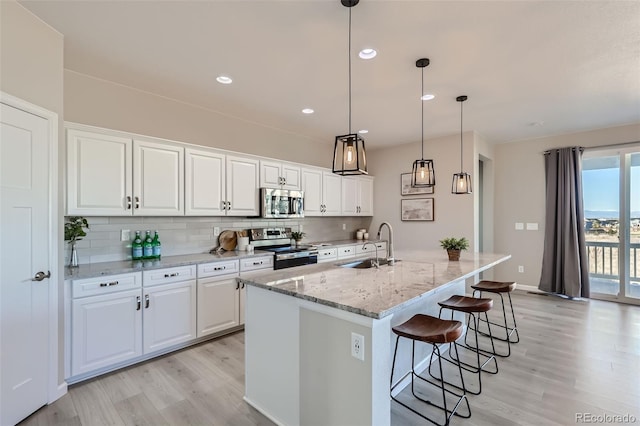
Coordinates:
227 240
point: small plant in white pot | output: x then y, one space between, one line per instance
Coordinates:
454 246
297 236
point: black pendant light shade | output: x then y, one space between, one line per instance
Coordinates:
461 181
423 173
348 152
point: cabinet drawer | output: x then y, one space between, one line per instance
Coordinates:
328 254
105 285
218 268
168 275
346 252
254 263
361 249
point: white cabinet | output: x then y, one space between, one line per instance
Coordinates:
219 297
346 252
219 185
106 322
322 192
275 174
205 183
99 174
109 175
169 315
158 179
242 186
369 250
357 196
327 254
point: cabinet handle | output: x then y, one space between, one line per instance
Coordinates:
228 205
113 283
219 268
237 285
104 285
242 284
139 303
257 263
128 202
146 301
137 202
175 274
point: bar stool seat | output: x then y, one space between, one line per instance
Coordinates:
473 307
434 331
500 288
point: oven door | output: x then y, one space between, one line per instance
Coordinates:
289 260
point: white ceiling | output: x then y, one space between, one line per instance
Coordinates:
573 65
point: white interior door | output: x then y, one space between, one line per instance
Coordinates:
24 251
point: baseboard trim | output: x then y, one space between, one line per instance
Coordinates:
263 412
58 392
530 289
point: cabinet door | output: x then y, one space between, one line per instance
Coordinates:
270 174
169 315
98 174
365 196
242 186
105 330
218 305
349 196
205 183
332 194
312 187
158 181
292 176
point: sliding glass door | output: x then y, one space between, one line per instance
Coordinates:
611 181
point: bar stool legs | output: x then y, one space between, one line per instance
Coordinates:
421 328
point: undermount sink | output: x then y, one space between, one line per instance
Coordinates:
363 264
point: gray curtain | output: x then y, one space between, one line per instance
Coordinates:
564 261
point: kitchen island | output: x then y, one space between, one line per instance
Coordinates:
300 324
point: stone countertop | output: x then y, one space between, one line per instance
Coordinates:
376 293
126 266
339 243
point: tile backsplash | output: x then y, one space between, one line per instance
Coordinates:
190 235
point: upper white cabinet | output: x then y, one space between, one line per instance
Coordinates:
158 179
275 174
242 186
109 175
205 183
322 192
99 174
357 196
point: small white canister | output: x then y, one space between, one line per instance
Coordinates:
359 234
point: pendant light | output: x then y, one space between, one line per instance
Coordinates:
348 153
423 173
461 181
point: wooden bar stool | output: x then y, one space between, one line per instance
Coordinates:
473 307
499 287
428 329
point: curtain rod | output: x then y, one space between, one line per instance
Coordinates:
558 149
617 145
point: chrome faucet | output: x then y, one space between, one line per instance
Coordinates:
375 262
390 259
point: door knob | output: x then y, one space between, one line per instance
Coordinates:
41 276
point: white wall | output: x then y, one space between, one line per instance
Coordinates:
31 68
520 196
454 214
92 101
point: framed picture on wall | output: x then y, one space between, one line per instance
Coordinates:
406 189
417 209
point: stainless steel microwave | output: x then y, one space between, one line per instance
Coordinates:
281 203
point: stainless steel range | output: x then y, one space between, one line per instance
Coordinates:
278 240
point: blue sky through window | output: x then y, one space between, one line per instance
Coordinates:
601 195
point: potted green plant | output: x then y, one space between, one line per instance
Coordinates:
73 232
297 236
454 246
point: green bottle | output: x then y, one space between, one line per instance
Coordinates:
157 246
136 247
147 247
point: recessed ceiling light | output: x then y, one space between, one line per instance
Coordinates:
368 53
536 123
224 79
363 131
307 111
427 97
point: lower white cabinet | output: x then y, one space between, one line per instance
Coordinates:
105 330
169 315
218 304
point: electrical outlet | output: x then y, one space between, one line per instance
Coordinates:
344 226
521 269
301 227
125 235
357 346
216 231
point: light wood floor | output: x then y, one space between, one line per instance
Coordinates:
574 357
